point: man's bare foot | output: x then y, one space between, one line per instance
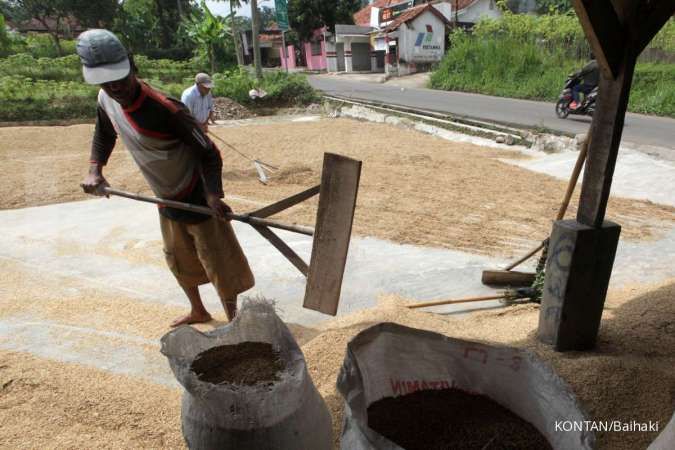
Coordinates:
191 318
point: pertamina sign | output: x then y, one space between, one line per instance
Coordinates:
428 47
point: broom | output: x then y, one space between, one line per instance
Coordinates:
259 165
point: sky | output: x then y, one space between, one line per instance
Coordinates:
223 8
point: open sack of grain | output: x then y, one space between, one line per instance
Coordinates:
411 389
247 386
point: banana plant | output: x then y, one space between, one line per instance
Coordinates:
207 31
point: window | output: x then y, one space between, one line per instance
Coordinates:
316 48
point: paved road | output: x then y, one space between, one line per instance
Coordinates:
639 129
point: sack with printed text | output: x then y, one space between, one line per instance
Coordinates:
388 365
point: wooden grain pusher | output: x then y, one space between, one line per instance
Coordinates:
337 201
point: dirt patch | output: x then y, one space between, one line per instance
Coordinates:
248 364
451 418
415 189
227 109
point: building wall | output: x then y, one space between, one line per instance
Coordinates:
290 56
472 13
331 57
417 45
315 62
481 9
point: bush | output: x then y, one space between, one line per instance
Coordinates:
34 89
24 99
282 88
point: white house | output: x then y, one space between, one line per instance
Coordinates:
413 40
468 11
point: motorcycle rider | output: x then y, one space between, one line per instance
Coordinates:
590 76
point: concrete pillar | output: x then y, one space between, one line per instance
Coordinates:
579 265
331 57
348 55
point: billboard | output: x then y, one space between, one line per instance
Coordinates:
390 12
282 14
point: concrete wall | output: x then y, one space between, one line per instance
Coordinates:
417 44
315 62
331 57
290 57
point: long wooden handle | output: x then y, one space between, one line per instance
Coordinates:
573 179
252 220
459 300
571 185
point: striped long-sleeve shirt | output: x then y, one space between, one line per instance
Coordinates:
174 155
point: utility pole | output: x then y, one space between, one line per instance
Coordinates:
456 13
255 28
236 36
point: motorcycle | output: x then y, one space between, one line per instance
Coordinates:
587 106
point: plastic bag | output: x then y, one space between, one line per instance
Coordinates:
388 360
288 414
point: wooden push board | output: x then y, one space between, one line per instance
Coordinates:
337 201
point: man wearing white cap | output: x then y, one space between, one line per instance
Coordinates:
199 100
178 161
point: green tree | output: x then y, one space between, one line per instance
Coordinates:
235 26
95 14
138 25
144 27
169 15
50 13
54 14
207 31
5 42
305 16
268 17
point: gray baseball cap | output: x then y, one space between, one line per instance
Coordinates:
204 80
103 57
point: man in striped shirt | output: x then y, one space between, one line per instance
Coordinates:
178 161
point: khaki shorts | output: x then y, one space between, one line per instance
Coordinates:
206 252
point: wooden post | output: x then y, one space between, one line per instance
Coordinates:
580 263
605 138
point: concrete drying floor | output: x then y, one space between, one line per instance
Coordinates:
117 249
84 283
